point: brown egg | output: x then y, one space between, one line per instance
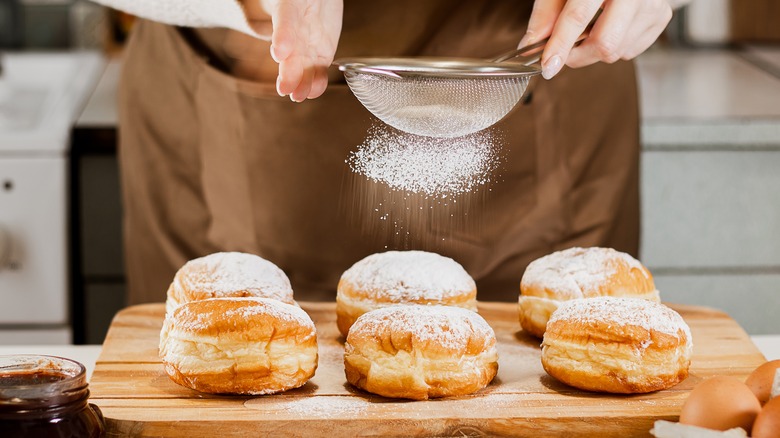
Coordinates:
767 423
760 380
721 403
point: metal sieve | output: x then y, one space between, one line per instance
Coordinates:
441 97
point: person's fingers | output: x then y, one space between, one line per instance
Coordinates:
640 38
319 83
574 18
606 40
290 75
304 86
542 20
305 35
286 19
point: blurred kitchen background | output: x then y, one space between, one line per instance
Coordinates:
710 165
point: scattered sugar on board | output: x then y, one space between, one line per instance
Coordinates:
623 311
326 406
450 327
407 276
228 272
576 272
437 167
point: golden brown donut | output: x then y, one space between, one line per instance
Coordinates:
618 345
228 274
579 273
239 346
402 277
420 351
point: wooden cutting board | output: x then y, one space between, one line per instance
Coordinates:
138 399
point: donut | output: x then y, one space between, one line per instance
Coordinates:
239 346
401 277
617 345
579 273
420 351
228 274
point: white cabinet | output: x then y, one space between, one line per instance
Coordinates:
33 281
41 95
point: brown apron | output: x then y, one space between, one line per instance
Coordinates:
213 161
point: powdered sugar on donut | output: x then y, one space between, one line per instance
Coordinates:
410 276
226 273
244 308
577 272
621 311
452 328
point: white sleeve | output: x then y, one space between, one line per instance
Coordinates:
189 13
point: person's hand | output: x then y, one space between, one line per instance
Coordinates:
304 36
624 29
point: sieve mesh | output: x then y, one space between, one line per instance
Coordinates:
437 106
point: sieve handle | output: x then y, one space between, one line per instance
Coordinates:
522 58
520 54
527 60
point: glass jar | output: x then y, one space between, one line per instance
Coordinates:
46 396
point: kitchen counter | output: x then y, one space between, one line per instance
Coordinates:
769 345
710 98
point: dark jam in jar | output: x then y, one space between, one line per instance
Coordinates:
29 378
46 396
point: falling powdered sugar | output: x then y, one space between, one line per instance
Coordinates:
436 167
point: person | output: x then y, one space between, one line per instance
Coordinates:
213 159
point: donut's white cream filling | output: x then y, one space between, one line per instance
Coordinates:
416 372
279 360
364 306
535 311
634 365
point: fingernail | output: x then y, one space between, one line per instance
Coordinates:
273 55
527 39
278 91
552 67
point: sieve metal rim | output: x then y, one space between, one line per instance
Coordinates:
448 68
